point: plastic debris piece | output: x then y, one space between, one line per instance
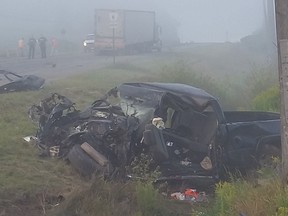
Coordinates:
54 151
206 163
190 195
158 122
30 138
178 196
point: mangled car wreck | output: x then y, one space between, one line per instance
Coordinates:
182 128
12 82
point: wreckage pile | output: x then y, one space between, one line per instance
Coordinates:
183 129
12 82
107 139
96 139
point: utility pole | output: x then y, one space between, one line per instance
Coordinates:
113 24
281 12
113 44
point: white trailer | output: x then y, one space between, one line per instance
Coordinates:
126 30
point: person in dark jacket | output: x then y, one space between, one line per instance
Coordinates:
42 44
31 44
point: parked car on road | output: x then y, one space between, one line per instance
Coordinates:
89 43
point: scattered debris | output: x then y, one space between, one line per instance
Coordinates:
64 130
158 122
30 138
12 82
190 195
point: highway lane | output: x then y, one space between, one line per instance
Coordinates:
64 65
55 67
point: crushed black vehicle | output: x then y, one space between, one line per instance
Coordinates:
12 82
183 129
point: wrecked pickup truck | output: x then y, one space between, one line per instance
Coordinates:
182 128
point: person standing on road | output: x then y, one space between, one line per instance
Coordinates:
42 44
53 46
21 46
31 43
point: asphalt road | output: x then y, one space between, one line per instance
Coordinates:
64 65
55 67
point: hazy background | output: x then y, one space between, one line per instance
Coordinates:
181 20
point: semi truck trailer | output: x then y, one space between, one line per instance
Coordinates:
126 31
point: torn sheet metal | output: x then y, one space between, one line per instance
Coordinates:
12 82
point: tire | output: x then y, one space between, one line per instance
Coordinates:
266 157
265 165
83 163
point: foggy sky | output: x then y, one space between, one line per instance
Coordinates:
196 20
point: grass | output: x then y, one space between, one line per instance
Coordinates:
87 87
121 199
243 197
23 175
268 100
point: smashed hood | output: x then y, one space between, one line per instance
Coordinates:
155 94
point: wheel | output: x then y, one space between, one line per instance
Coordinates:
267 164
84 164
268 157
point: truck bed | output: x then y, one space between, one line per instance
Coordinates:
248 116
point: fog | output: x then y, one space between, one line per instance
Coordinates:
184 20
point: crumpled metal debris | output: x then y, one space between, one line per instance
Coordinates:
104 126
12 82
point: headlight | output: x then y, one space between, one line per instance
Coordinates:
84 43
